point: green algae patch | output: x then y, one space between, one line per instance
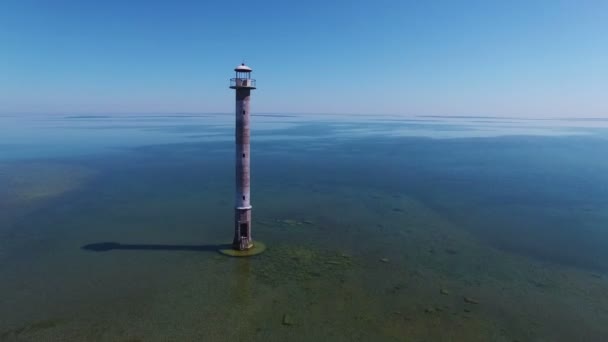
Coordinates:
258 248
298 263
27 182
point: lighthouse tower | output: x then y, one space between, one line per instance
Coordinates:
243 84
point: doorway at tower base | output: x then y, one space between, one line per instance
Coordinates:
258 248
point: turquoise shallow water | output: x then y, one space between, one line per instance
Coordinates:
378 228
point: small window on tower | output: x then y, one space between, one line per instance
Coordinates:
243 198
243 155
243 112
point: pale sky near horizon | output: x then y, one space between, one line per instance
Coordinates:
490 58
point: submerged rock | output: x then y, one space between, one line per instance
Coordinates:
287 320
292 223
384 260
470 300
444 292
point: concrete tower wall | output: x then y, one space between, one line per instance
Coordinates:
242 235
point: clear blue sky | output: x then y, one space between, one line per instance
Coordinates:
497 58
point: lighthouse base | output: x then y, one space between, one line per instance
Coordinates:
257 248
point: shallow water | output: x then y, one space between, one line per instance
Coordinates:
378 228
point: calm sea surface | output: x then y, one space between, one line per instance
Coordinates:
378 228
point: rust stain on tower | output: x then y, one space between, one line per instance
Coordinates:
243 84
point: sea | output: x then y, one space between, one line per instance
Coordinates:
376 227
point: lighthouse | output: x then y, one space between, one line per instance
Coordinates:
242 84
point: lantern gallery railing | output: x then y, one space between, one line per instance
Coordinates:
242 82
